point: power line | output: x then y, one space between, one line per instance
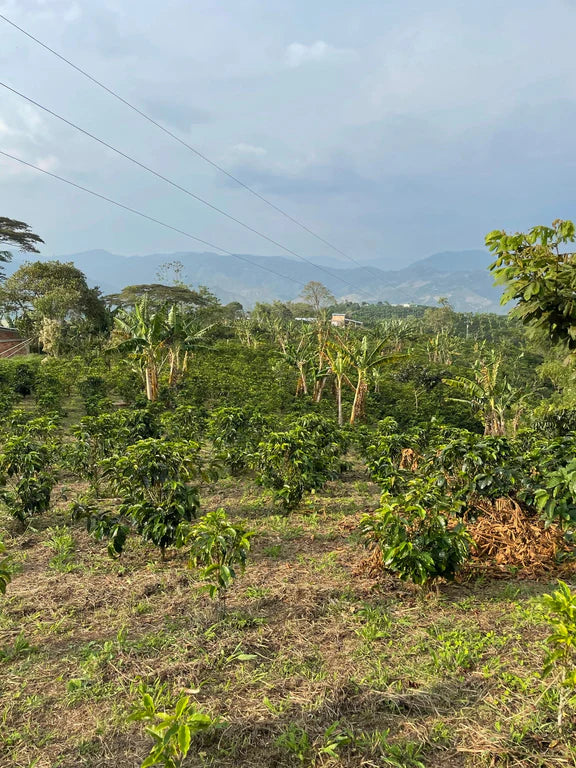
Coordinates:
181 188
192 149
147 217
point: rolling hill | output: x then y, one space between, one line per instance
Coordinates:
460 276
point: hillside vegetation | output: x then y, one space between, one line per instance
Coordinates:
235 539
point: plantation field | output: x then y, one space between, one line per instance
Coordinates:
311 662
244 539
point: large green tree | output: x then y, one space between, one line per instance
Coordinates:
538 271
159 295
51 301
19 235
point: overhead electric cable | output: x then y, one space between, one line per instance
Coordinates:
188 146
147 217
181 188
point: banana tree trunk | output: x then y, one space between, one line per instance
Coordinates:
319 389
359 399
339 400
302 386
151 382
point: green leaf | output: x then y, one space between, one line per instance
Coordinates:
184 738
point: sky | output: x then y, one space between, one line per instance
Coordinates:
392 129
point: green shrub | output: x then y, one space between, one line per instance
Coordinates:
417 533
235 433
219 547
172 732
27 475
154 480
301 459
7 568
561 658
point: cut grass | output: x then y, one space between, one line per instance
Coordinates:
312 664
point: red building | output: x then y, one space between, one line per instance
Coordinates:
11 343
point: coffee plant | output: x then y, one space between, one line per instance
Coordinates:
172 732
298 460
235 433
27 475
220 548
156 481
418 534
561 658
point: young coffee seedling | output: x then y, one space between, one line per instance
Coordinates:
219 546
561 658
7 569
172 732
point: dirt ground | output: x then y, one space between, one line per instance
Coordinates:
309 663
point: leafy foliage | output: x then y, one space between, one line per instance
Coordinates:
172 732
219 547
539 276
235 433
7 568
561 657
154 480
417 533
27 475
300 459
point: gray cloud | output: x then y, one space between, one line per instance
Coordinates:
178 115
393 129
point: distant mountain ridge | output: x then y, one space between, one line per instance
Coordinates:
461 276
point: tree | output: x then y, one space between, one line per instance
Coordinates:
51 300
540 275
18 234
158 295
488 394
144 334
156 337
364 358
339 367
317 295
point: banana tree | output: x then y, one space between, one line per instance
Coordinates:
488 394
298 354
339 366
144 334
364 358
322 330
184 335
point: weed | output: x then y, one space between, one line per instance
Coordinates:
19 649
62 544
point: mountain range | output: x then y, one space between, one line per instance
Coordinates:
460 276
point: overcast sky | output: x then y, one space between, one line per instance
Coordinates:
393 129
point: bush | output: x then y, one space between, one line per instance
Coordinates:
93 392
561 657
7 568
185 422
219 546
27 475
153 479
172 732
417 534
301 459
235 433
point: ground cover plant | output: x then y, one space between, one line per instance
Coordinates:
238 539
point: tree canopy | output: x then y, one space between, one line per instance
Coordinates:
158 295
46 299
18 234
317 295
540 275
